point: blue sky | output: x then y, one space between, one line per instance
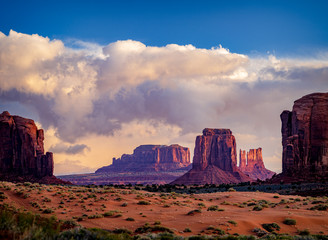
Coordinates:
103 77
249 27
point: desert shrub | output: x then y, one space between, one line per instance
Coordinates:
187 230
122 230
92 233
304 232
3 196
275 196
320 207
193 212
47 211
201 205
270 227
113 213
251 204
70 223
259 232
289 221
18 225
95 216
142 202
156 228
217 231
214 208
130 219
257 208
232 222
231 190
125 204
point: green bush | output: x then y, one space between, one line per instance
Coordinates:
232 222
257 208
304 232
289 221
215 208
270 227
193 212
320 207
142 202
187 230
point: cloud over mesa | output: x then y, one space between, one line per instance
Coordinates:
95 90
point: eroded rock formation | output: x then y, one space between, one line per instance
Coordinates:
305 137
22 151
22 155
151 158
215 160
253 165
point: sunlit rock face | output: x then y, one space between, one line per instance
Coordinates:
305 136
21 148
253 165
151 158
215 160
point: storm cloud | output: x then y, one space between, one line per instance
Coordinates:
94 90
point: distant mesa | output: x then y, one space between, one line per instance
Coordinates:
253 164
305 138
22 155
215 160
151 158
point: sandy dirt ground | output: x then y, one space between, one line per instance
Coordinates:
88 206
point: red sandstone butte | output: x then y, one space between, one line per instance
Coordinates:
305 137
253 165
151 158
215 160
22 155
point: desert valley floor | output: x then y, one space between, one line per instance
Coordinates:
111 208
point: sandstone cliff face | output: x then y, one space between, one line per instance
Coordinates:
253 166
215 160
151 158
305 136
21 148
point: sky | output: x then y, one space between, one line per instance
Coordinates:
103 77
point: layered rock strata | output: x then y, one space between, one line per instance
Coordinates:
21 148
215 160
151 158
253 165
22 157
305 137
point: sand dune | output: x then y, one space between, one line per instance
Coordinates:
235 214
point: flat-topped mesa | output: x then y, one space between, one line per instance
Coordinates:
215 160
253 166
305 137
151 158
21 148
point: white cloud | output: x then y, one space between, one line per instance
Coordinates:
91 91
68 149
